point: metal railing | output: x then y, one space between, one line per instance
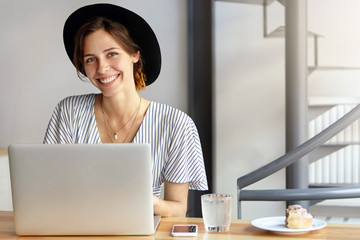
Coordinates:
290 158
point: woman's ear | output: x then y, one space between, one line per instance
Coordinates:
136 57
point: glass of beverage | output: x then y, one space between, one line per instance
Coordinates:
216 211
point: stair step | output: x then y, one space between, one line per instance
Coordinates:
331 101
342 220
338 210
315 111
350 202
324 150
343 143
319 105
280 33
327 149
257 2
329 68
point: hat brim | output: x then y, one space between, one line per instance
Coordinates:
139 30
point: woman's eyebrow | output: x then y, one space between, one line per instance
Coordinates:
106 50
88 55
110 49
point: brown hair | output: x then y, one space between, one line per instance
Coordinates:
120 34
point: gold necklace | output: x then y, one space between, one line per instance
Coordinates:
108 124
137 111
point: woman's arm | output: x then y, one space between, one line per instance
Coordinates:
175 200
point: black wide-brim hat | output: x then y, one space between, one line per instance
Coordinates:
139 30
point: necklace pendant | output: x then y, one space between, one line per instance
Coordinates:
115 136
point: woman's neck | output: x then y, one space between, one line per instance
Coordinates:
120 108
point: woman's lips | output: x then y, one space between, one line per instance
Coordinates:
109 79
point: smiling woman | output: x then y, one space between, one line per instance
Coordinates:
116 38
119 53
108 65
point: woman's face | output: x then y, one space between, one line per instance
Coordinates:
108 66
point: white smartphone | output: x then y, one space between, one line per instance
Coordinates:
189 230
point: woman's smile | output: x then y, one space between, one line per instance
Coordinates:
106 80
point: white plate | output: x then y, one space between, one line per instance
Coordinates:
277 225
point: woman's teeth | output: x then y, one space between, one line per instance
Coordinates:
108 79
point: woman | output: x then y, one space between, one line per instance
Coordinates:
118 52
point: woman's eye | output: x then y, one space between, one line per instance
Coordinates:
111 54
89 60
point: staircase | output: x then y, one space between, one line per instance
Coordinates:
337 162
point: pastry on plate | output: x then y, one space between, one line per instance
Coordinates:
298 217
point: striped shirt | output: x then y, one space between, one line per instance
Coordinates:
175 145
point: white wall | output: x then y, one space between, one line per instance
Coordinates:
250 107
36 72
338 21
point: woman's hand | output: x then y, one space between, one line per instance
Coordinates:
175 200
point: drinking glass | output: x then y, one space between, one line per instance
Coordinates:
216 211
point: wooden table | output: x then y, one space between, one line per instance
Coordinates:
239 229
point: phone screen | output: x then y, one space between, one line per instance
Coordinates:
185 229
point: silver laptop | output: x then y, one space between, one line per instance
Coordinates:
82 189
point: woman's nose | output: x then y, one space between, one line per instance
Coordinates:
103 66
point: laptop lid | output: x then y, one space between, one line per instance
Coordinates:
82 189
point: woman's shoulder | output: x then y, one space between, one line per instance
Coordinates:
76 100
167 112
157 107
77 103
79 98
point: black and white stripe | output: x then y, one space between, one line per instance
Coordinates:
176 149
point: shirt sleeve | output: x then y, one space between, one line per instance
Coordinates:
59 127
186 163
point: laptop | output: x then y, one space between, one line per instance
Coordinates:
82 189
